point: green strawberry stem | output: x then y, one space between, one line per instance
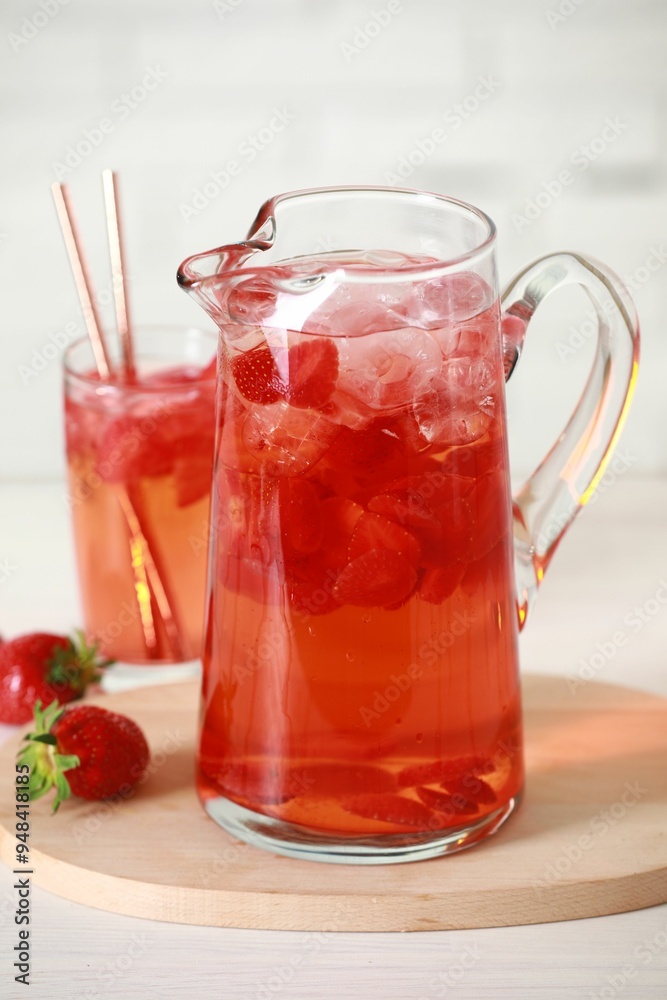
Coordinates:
47 766
78 665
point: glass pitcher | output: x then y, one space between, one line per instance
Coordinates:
368 572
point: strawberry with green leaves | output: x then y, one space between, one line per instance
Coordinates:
84 750
42 666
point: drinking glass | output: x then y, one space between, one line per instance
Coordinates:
140 457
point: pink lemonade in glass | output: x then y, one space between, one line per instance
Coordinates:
360 663
140 458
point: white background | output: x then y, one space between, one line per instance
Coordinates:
362 99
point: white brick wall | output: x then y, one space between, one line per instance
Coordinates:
356 113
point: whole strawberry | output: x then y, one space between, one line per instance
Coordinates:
85 751
41 666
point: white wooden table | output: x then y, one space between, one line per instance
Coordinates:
605 579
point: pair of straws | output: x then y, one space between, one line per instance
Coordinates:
149 584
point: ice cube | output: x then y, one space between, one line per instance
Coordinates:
354 310
285 440
449 299
385 371
459 406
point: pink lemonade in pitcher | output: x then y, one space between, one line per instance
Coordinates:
148 443
362 510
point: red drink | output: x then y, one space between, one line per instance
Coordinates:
360 661
140 458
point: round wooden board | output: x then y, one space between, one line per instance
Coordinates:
590 837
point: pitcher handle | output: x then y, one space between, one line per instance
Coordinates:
547 503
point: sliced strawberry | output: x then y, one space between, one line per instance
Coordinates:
440 582
472 788
441 770
392 809
449 805
257 377
404 506
399 604
373 531
313 370
339 519
408 508
327 780
300 516
430 489
125 452
377 578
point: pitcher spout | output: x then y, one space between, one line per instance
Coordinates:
197 274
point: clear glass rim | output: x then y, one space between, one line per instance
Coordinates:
191 279
93 379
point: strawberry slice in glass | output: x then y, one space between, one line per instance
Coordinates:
451 806
373 531
375 579
393 809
